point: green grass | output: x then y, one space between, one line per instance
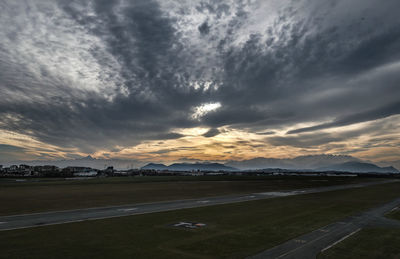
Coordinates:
47 195
395 214
145 179
233 230
373 243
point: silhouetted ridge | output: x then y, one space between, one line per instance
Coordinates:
190 167
359 167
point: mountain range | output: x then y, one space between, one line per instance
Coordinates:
190 167
301 162
321 162
359 167
310 163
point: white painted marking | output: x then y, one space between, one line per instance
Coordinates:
324 230
3 222
129 209
278 194
296 192
203 201
310 242
394 209
300 241
340 240
180 224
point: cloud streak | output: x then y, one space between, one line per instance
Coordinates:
380 113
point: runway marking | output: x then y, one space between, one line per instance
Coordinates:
250 196
324 230
340 240
297 248
394 209
300 241
277 194
3 222
203 201
129 209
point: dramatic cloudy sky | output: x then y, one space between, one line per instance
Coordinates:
173 80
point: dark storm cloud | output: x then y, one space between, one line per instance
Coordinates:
302 66
266 133
326 141
100 74
204 28
304 141
145 44
215 7
211 133
383 112
170 150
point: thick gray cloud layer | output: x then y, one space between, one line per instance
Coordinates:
98 74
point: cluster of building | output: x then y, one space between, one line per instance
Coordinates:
77 171
52 171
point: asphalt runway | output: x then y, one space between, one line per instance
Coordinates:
67 216
311 244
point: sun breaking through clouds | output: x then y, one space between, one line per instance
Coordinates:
212 80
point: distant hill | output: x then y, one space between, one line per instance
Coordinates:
312 162
153 166
359 167
260 163
190 167
300 162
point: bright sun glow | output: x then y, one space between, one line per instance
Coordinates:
205 108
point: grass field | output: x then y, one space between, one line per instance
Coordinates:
374 243
394 214
49 194
369 243
233 230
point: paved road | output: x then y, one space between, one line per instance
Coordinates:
59 217
309 245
